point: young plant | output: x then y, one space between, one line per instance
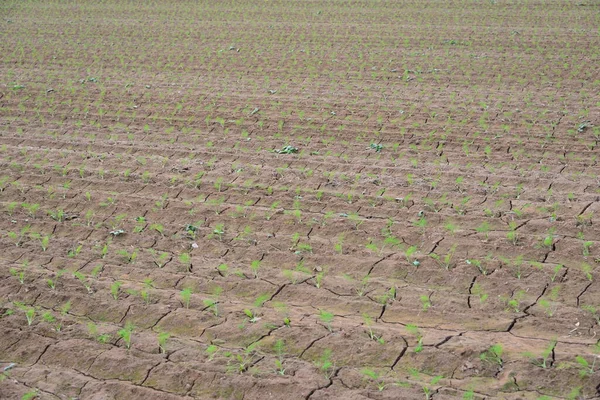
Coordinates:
428 389
83 279
162 341
546 358
17 238
425 302
445 261
375 377
369 324
414 330
325 365
240 363
251 313
493 355
255 266
279 351
44 240
186 260
409 254
586 368
160 258
186 295
586 248
477 290
19 274
114 289
125 334
213 304
327 318
129 257
30 315
218 231
512 235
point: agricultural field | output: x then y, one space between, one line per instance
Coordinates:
300 199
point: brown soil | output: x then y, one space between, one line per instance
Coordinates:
141 141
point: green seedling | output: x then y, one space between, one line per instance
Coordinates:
83 279
212 351
17 238
369 324
162 341
428 390
212 304
325 364
125 333
240 363
30 395
44 240
545 359
339 245
493 355
279 348
388 296
20 275
356 220
480 266
375 377
425 302
74 252
513 304
186 295
445 261
586 248
592 310
219 231
587 271
484 228
30 315
477 290
186 260
414 330
555 272
409 254
327 318
129 257
586 368
255 266
114 289
223 270
160 258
